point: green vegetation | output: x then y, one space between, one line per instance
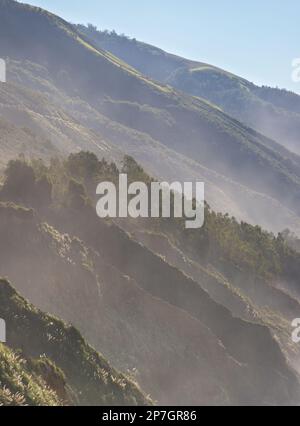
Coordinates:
55 366
106 107
208 311
22 384
222 239
87 289
272 111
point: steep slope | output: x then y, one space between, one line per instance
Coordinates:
166 323
274 112
79 376
21 383
122 295
149 60
117 313
187 125
46 129
15 139
31 99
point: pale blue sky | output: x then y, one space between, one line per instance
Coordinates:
256 39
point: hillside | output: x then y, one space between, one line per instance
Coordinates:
199 317
46 362
271 111
88 97
112 311
177 327
43 116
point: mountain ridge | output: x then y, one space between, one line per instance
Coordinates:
279 108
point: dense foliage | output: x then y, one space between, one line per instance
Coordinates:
222 239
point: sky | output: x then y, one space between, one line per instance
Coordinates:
255 39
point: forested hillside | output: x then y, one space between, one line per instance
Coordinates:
180 317
176 321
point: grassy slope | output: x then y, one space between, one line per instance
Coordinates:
274 112
152 113
21 383
85 378
66 122
60 275
45 127
154 316
157 96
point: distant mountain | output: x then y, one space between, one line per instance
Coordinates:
46 362
271 111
